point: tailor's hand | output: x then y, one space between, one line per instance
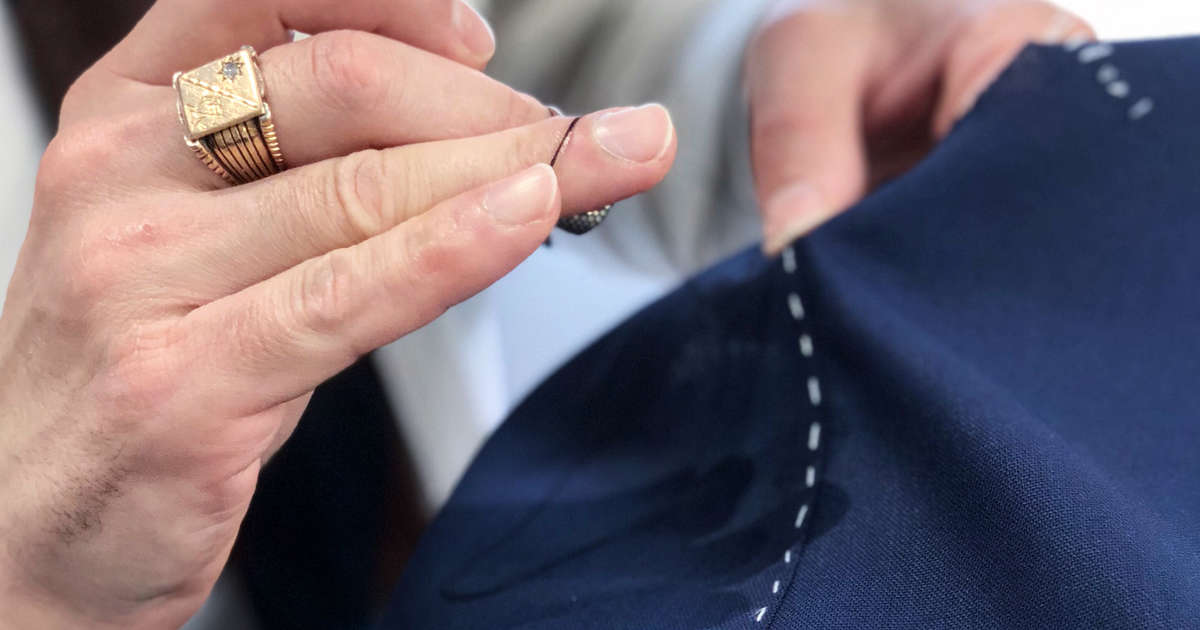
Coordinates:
163 332
846 93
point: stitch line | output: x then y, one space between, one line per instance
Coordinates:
1094 52
1141 109
814 391
801 515
1075 42
789 260
796 306
807 350
1109 76
1107 73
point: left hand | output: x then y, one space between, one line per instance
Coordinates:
847 93
163 331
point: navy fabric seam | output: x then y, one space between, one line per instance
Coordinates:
812 436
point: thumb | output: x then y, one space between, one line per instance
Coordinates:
805 87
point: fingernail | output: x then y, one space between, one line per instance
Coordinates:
792 213
475 32
522 198
1060 27
637 134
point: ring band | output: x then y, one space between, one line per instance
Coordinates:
226 119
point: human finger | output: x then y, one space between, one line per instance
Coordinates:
806 87
180 34
252 232
280 338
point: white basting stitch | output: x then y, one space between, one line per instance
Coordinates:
806 345
1075 42
1108 73
1141 108
796 306
1094 52
814 391
1118 89
789 260
800 516
805 342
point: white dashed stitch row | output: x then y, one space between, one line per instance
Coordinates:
789 260
1109 75
801 515
796 308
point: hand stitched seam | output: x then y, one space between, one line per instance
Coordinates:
812 441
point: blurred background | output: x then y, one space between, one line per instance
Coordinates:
341 506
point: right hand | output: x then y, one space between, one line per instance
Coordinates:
163 332
846 94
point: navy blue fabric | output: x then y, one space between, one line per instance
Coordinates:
988 372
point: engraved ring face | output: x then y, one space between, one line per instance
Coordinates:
220 94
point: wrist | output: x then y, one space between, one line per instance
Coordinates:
25 608
32 595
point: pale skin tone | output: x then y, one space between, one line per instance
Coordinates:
847 93
163 332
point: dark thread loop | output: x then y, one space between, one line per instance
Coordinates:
562 144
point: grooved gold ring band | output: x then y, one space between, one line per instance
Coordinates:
226 120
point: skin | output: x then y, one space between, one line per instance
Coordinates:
163 332
847 93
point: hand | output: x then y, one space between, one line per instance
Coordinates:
163 332
847 93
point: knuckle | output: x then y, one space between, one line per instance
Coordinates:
434 260
79 152
347 71
70 153
429 259
362 192
776 128
324 298
79 99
